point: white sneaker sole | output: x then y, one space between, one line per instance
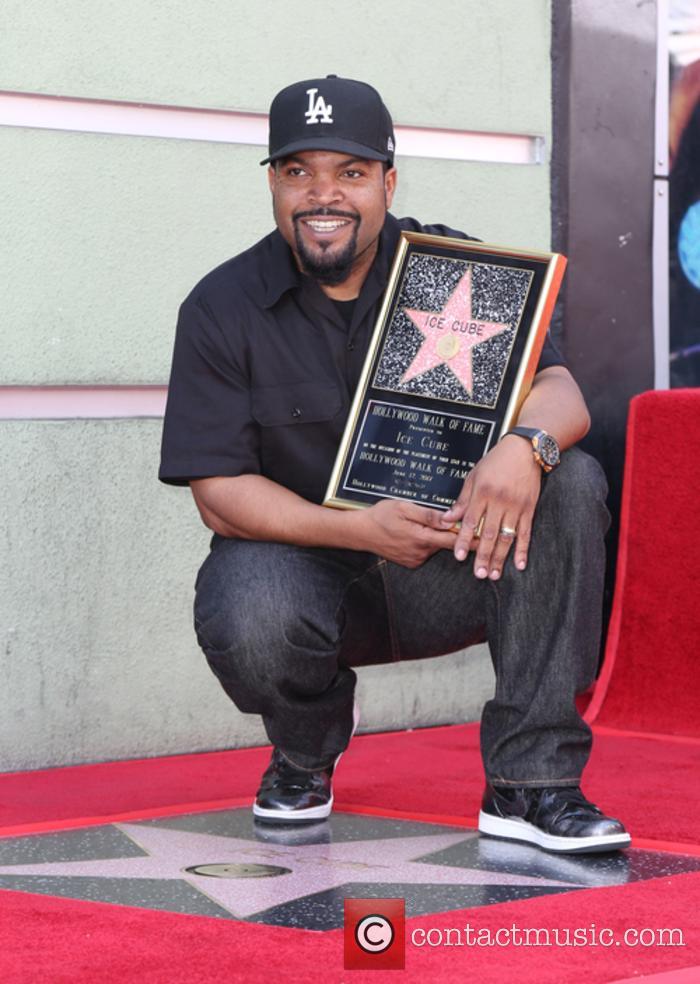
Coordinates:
512 828
311 812
294 816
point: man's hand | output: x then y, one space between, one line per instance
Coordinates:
503 488
405 533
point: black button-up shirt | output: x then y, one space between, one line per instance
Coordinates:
265 367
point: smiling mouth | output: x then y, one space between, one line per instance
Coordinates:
325 225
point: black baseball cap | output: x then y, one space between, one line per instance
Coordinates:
330 114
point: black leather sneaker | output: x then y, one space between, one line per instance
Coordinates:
288 794
555 818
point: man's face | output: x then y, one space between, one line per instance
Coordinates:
330 208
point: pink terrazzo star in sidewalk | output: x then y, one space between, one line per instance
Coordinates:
312 868
451 334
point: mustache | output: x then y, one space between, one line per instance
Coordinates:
325 213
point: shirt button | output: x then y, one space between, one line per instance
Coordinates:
351 346
296 411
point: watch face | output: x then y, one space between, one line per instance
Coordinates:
548 450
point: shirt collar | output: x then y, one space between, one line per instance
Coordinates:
282 274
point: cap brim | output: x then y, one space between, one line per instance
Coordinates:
330 143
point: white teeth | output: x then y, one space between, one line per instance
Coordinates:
319 225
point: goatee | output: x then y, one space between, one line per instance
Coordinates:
328 268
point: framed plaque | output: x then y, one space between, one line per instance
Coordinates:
451 359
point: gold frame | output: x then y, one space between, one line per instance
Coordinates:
555 265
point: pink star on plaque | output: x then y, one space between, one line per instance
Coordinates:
450 335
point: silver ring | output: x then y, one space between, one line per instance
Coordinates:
508 531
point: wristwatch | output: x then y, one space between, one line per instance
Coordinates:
544 448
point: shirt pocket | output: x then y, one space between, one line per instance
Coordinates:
297 403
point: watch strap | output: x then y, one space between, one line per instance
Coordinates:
529 432
535 435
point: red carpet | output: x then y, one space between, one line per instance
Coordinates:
650 677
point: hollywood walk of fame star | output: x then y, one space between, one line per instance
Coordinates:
313 868
450 335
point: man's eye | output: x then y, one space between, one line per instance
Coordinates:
295 172
352 173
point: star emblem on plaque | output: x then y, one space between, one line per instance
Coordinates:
451 334
452 358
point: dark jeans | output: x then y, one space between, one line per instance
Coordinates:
281 627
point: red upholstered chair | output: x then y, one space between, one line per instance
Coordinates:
650 680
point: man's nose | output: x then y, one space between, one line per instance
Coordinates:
325 190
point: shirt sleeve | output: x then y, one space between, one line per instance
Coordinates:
208 429
550 355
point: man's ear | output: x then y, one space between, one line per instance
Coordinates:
271 176
390 185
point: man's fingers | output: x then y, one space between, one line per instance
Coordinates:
432 529
456 512
488 542
429 541
507 532
522 544
443 541
488 527
463 511
471 528
434 518
512 534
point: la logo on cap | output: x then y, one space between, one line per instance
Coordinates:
319 111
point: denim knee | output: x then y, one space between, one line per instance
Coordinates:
576 492
234 616
263 604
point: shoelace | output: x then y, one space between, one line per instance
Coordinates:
290 777
571 802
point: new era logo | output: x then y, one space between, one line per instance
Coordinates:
319 111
